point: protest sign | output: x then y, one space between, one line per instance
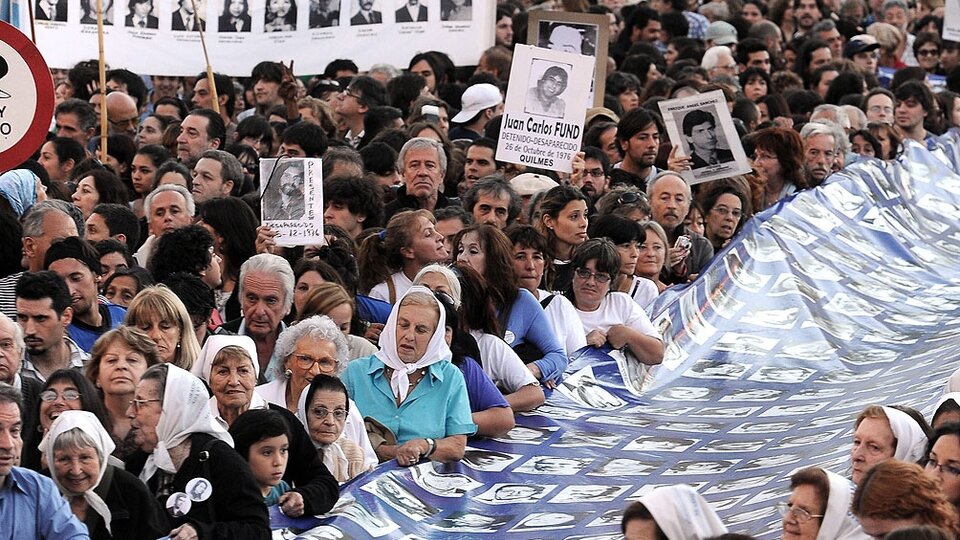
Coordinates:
291 200
543 118
702 128
951 20
582 33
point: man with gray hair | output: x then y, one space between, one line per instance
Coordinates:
216 174
423 165
820 151
826 30
492 200
44 223
688 252
32 505
719 62
167 208
769 33
266 294
897 13
11 356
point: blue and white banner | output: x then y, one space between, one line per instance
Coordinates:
840 297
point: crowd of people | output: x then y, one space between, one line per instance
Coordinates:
174 372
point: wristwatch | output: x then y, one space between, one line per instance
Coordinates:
431 446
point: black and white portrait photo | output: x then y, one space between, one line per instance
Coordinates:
700 467
625 467
140 14
527 435
281 16
235 16
546 85
752 394
686 393
186 18
398 497
660 444
283 198
592 493
442 484
375 524
573 439
411 11
488 460
51 10
88 11
568 37
704 145
733 446
471 522
456 10
765 462
763 427
546 521
715 369
324 13
514 493
554 465
586 391
785 374
365 12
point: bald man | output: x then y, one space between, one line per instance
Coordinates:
122 113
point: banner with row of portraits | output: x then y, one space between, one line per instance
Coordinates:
161 37
837 298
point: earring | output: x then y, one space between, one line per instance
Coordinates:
288 374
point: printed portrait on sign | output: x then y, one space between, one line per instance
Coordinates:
546 85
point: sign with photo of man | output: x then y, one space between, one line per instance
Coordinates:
543 119
701 127
291 200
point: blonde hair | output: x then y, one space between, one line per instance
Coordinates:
323 298
160 302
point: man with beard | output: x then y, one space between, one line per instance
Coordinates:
638 135
366 15
286 201
820 151
77 263
596 173
44 312
544 99
669 204
914 101
493 201
806 13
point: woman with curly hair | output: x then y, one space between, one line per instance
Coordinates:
895 494
778 152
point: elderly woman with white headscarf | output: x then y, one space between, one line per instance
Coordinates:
883 432
411 388
205 485
819 507
675 512
227 365
111 502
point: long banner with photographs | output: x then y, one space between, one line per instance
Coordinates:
840 297
161 37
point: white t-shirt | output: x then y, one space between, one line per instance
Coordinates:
565 322
400 282
617 308
504 367
643 291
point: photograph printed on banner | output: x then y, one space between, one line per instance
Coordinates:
792 410
514 493
280 16
648 488
726 502
527 435
816 393
687 393
463 521
579 33
235 17
574 439
411 11
442 484
582 387
555 413
398 497
766 462
456 10
186 19
365 12
543 114
725 412
817 350
323 532
488 460
561 466
699 427
733 446
660 444
763 427
141 14
744 344
702 128
593 493
625 467
805 440
716 369
782 318
323 13
546 521
291 200
736 484
751 394
690 467
611 517
374 524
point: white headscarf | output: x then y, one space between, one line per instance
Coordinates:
333 457
682 513
88 423
911 440
949 396
215 344
838 522
185 412
437 349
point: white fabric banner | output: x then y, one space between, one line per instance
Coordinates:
160 37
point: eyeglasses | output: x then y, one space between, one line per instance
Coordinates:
928 52
305 361
128 122
931 464
630 197
724 211
802 515
599 277
445 299
138 403
347 92
595 173
321 412
52 395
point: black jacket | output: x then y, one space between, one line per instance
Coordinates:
306 471
135 513
409 202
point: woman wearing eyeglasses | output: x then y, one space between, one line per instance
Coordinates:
726 208
610 317
411 388
943 460
226 364
818 507
117 361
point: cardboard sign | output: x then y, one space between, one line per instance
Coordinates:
291 200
